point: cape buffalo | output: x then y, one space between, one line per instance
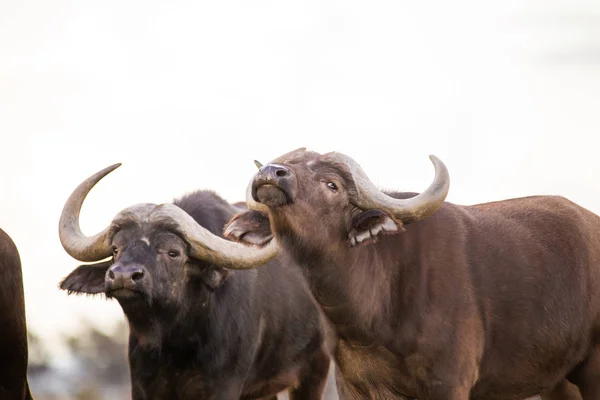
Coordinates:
431 299
13 327
197 329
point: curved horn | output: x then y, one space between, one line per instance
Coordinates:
205 245
258 164
407 210
75 243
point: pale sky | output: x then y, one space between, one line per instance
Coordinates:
186 94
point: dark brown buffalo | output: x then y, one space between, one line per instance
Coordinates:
434 300
13 327
197 329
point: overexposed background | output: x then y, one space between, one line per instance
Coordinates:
186 94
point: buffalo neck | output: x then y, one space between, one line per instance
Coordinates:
195 327
365 291
154 324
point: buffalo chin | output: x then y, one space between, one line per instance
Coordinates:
124 294
272 196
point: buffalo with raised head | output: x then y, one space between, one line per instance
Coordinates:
431 299
13 325
199 330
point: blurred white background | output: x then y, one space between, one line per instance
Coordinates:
186 94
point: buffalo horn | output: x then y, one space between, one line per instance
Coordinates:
367 196
76 244
204 245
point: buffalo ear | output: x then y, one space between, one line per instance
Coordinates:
87 278
250 227
367 226
214 277
210 275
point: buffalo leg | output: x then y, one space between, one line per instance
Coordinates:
313 384
448 393
563 391
341 385
231 391
587 375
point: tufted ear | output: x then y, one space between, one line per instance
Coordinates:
210 275
87 278
250 227
367 226
214 277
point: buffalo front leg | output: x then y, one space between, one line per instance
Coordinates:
460 393
232 392
564 390
313 383
587 375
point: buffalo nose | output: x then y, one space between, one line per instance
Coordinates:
125 275
273 172
273 185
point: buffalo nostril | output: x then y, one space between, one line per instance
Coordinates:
138 275
281 172
111 275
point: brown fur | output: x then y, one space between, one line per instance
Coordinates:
492 301
13 327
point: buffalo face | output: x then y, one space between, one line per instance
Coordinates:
145 265
323 200
298 191
154 279
150 268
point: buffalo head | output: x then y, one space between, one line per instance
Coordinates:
159 257
324 197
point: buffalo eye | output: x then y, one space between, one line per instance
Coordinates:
332 186
173 253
